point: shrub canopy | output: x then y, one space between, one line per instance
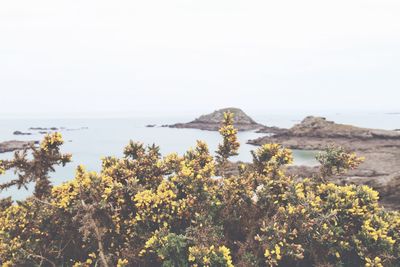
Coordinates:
147 210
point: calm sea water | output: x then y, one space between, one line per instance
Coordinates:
107 137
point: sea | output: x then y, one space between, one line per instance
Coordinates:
90 139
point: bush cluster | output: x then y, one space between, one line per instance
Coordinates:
147 210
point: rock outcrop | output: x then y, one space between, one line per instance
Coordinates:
322 128
10 146
315 133
212 121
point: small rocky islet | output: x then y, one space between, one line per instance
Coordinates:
212 121
44 130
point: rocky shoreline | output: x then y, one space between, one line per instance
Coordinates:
10 146
381 149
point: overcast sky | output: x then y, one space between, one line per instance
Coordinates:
95 56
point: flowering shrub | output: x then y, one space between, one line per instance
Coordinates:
147 210
335 160
229 146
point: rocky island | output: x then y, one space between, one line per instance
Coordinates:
381 149
212 121
10 146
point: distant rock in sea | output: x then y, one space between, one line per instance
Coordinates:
150 125
74 129
21 133
212 121
43 129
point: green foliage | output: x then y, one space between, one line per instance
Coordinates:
230 145
148 210
171 248
336 160
271 157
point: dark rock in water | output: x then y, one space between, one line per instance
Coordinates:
150 125
77 129
10 146
43 129
212 121
21 133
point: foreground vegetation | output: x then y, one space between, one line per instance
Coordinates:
148 210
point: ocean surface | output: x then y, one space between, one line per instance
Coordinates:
88 140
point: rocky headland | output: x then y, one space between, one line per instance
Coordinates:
381 149
212 121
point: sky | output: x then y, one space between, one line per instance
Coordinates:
79 57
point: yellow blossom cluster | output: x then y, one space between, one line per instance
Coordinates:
329 216
210 256
230 145
51 141
159 206
270 157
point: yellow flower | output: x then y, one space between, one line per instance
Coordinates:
122 263
278 252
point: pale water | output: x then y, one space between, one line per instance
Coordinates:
107 137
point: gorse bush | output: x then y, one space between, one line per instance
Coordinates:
147 210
